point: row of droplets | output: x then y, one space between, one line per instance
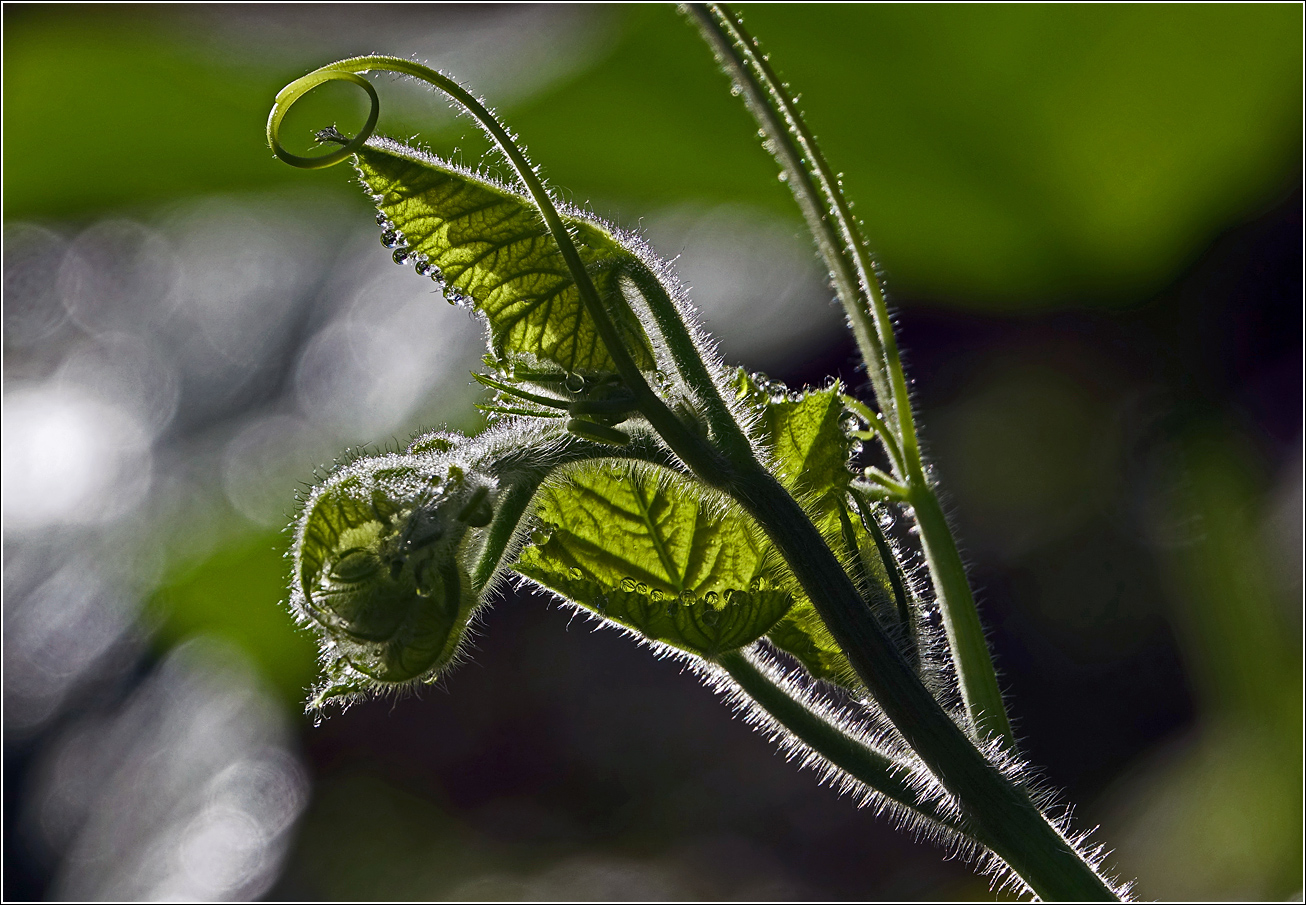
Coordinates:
393 238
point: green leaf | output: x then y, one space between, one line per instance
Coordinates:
810 450
803 635
488 244
803 433
645 547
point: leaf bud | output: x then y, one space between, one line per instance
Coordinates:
379 567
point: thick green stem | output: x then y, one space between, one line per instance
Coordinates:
522 468
817 191
1002 814
688 359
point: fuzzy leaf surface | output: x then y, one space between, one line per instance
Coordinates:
490 245
810 451
644 547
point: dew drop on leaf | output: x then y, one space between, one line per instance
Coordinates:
851 421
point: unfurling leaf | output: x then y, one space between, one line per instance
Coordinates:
486 243
378 570
644 547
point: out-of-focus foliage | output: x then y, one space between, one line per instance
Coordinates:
228 594
1003 156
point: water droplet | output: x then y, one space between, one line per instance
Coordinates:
383 221
784 176
855 448
736 89
851 421
601 603
400 256
541 536
710 617
454 296
628 584
575 574
641 588
711 597
656 595
574 383
393 238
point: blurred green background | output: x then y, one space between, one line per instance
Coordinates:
1089 218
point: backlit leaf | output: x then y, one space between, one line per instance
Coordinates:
644 547
488 244
810 450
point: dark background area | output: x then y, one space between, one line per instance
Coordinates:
1091 224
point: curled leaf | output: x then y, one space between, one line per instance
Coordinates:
379 571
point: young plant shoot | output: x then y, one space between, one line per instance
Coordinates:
711 513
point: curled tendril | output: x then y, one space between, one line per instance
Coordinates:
650 404
294 91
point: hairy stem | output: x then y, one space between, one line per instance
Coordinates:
817 191
785 134
877 770
1003 815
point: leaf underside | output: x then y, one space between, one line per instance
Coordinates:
489 244
641 545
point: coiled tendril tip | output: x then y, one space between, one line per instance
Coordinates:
286 99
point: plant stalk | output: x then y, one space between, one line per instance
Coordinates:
1001 813
875 769
845 253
